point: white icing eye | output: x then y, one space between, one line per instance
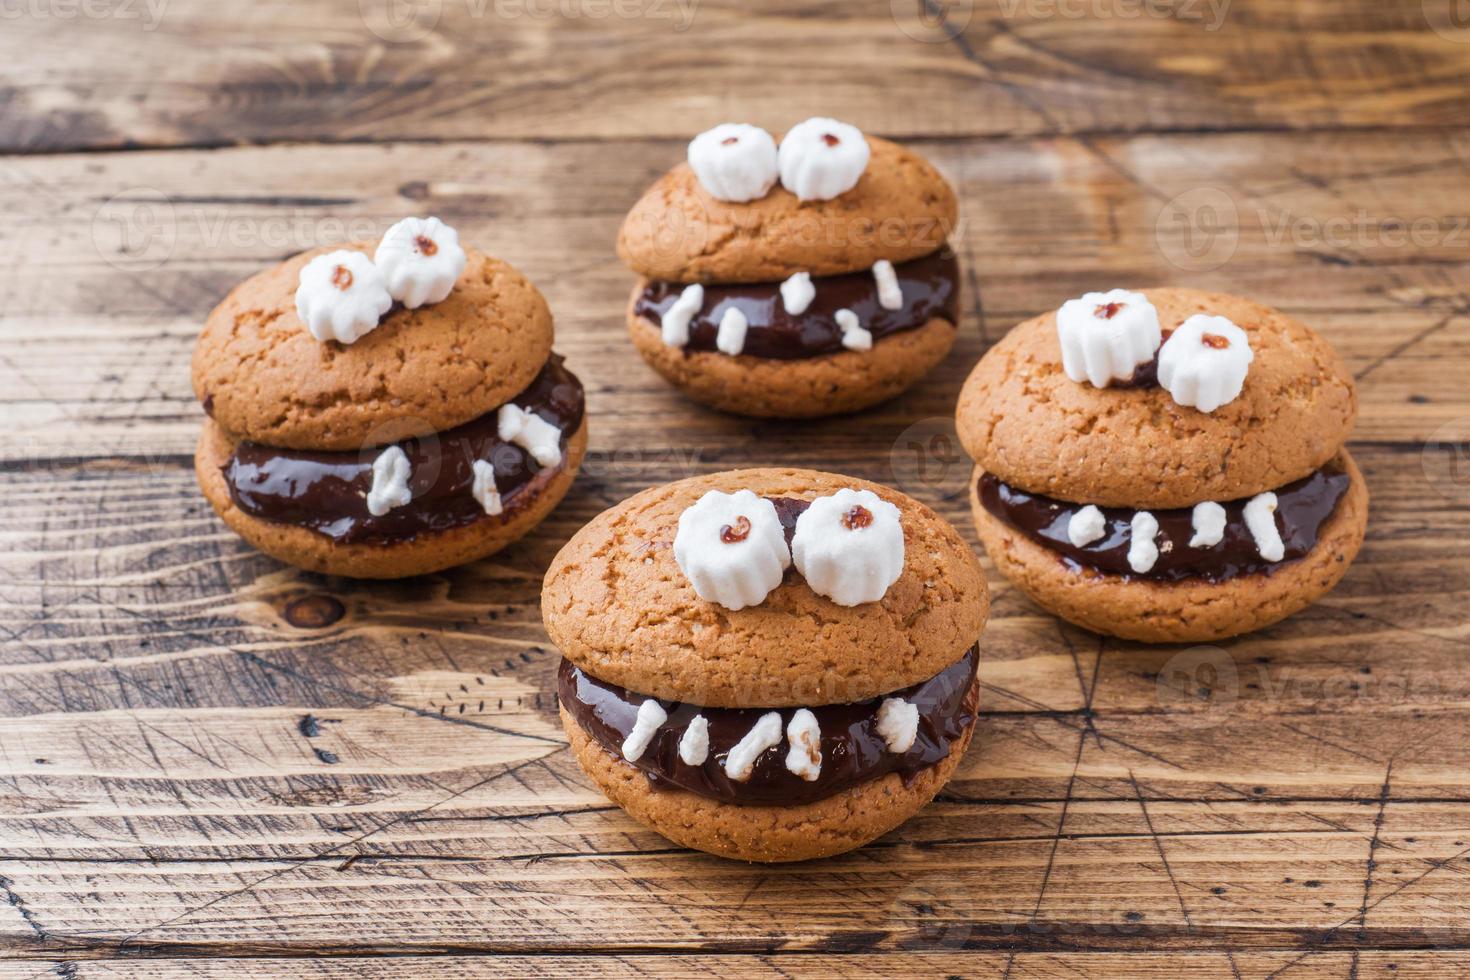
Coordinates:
531 432
1086 526
822 158
341 296
734 161
732 548
674 326
390 482
1260 520
898 723
1203 364
849 546
421 260
1105 337
1143 549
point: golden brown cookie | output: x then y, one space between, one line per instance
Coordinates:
263 377
1021 418
1188 611
617 604
901 208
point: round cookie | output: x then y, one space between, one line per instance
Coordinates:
830 826
1022 419
831 384
617 604
1189 611
305 548
902 208
261 376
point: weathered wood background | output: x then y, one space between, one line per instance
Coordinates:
212 765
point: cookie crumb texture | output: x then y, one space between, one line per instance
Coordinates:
266 379
1188 611
770 834
1022 419
618 606
901 209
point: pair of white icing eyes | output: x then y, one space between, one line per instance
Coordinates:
818 159
343 295
732 547
1106 337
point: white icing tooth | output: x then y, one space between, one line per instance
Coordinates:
531 432
1260 520
1105 337
797 293
674 325
898 723
854 335
765 734
485 490
734 161
1086 526
341 296
890 294
390 482
645 727
849 546
804 736
1203 364
822 158
731 336
1143 550
732 548
421 260
1208 523
694 745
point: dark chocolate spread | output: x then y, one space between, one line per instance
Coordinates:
327 491
1302 508
852 750
929 289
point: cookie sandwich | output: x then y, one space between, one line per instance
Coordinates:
795 280
768 664
1166 465
385 409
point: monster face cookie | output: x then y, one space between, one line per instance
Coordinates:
768 664
387 409
1165 465
792 281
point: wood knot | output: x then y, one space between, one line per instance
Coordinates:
314 612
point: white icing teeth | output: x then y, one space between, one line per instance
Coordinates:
1203 364
1207 520
421 260
484 490
390 482
822 158
675 323
854 335
849 546
531 432
797 293
898 724
732 548
694 745
1086 526
650 716
1143 550
734 161
890 294
803 734
765 734
1260 520
731 336
1105 337
341 296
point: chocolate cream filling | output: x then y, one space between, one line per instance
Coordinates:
929 288
327 491
853 751
1302 509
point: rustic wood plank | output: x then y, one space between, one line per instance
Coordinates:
193 72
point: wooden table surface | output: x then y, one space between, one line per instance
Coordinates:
212 765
